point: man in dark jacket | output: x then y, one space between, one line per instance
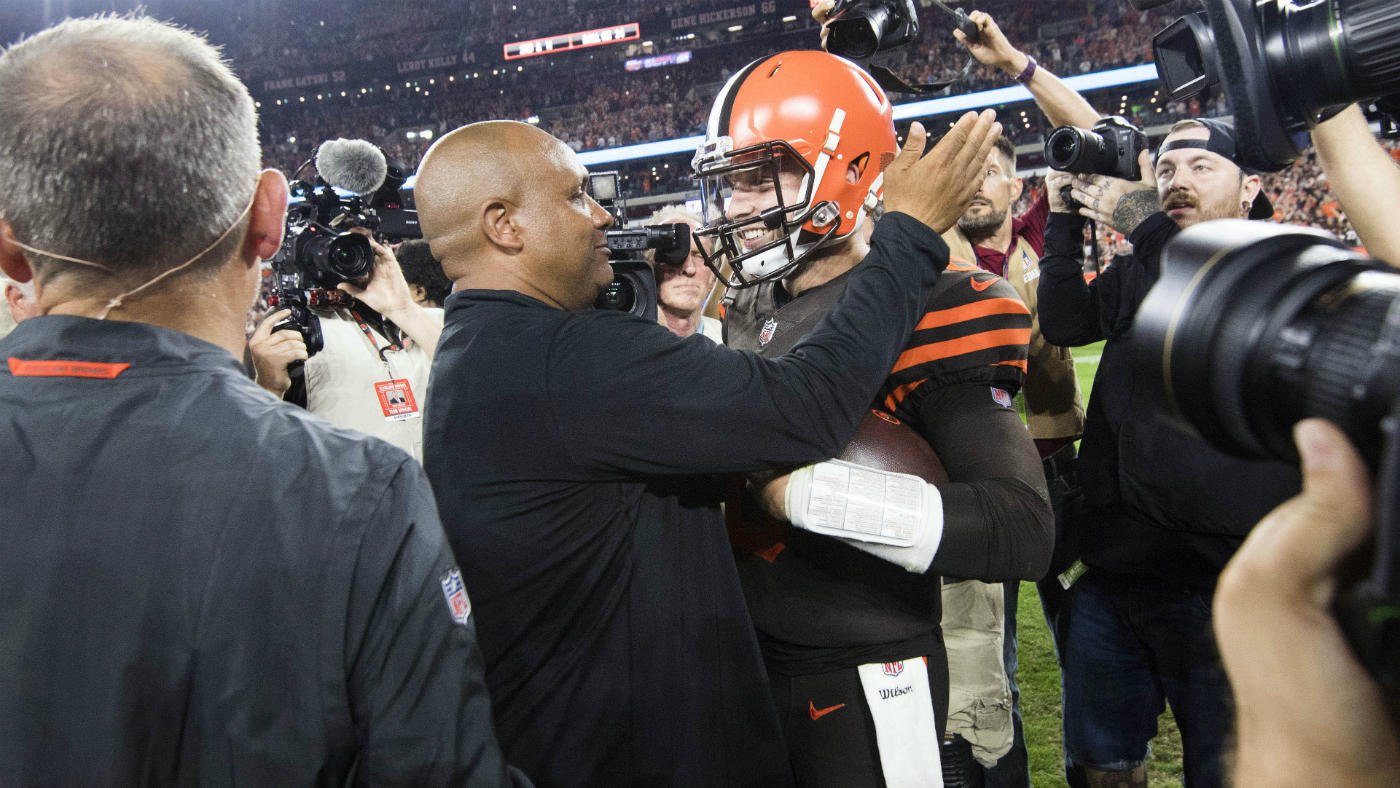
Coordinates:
572 449
201 584
1164 511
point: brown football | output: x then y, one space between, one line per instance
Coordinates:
884 442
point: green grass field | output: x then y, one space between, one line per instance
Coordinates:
1039 675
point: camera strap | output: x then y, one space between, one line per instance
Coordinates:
895 84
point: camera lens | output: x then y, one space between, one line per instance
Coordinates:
1254 326
855 32
618 296
346 257
1070 149
854 38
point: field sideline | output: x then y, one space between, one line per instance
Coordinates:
1039 674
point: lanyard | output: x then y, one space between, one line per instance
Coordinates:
374 343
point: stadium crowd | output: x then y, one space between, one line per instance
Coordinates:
597 104
488 584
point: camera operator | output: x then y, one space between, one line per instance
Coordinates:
1163 511
428 286
617 644
682 290
1307 713
1365 179
377 350
201 583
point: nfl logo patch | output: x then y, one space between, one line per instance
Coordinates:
1001 397
894 668
766 334
457 603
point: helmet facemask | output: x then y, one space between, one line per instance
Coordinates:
792 230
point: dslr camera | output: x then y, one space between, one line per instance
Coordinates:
1254 326
1284 66
859 28
1110 148
633 288
356 187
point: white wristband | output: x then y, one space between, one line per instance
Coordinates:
894 516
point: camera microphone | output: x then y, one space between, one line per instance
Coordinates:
357 166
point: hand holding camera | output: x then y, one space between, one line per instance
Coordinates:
1275 629
386 291
991 48
1118 203
273 351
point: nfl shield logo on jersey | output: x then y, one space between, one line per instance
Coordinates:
769 326
457 603
1001 396
894 668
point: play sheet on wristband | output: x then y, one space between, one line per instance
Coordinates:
860 503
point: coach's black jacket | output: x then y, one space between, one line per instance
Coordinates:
567 451
201 585
1159 503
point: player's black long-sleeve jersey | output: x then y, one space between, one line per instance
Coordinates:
205 586
568 452
819 604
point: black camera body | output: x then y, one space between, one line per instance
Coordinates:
319 252
633 288
1253 326
1284 66
857 29
1110 148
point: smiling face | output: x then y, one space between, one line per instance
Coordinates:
1195 185
753 191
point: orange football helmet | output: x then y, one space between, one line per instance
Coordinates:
809 113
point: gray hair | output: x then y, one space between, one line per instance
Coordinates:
673 214
125 141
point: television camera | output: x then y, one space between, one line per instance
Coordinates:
633 288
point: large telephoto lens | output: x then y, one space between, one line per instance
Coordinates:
1282 65
1081 151
1254 326
341 257
1330 53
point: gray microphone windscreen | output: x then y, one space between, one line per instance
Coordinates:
356 166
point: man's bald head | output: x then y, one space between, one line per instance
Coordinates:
470 168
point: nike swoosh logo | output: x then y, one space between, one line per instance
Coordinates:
819 713
979 286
